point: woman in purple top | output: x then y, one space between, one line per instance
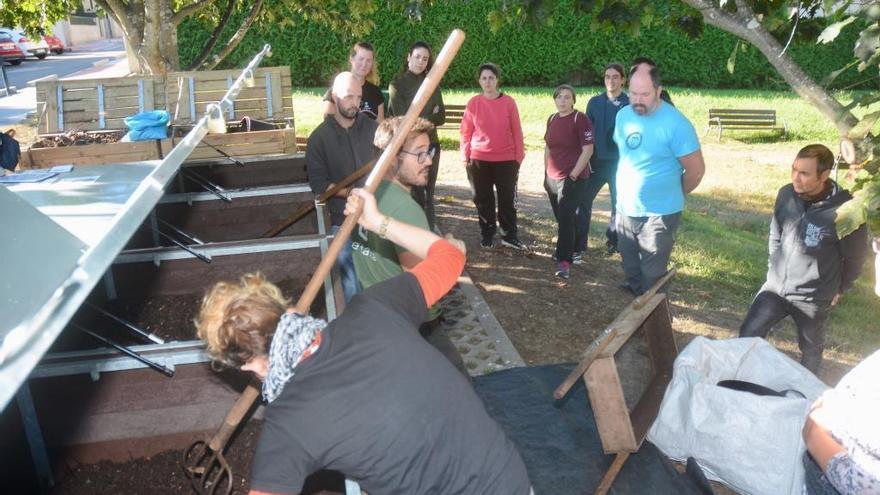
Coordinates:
569 139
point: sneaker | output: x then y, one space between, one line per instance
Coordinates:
512 241
577 258
487 241
564 271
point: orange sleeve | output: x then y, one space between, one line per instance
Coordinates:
439 271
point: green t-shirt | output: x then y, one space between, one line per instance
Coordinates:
376 259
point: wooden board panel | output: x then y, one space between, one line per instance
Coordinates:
92 154
661 339
609 407
629 321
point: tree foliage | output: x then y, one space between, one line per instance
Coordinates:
35 16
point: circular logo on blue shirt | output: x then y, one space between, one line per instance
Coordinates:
634 140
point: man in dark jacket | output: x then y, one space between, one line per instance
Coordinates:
810 267
602 111
336 149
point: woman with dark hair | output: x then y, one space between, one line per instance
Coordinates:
361 59
401 92
492 150
569 139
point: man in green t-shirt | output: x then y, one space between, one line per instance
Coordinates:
377 259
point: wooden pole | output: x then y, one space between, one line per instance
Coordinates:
323 197
429 85
611 474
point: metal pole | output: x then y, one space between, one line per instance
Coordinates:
34 436
4 80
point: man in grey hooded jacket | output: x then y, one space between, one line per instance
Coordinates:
810 266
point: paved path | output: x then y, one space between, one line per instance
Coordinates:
105 58
476 333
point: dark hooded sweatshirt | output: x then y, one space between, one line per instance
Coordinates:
808 262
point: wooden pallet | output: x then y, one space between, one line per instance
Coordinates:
95 104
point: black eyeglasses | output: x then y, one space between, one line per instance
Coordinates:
422 155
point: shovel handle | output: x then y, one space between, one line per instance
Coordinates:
429 85
233 419
324 196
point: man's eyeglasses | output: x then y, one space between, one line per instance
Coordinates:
422 155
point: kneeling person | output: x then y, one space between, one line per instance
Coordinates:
810 266
364 394
376 258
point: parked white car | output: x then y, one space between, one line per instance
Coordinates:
30 48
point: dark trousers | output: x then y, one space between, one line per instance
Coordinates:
565 196
604 173
814 479
424 196
645 245
487 178
770 308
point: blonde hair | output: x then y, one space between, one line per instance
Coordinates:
237 320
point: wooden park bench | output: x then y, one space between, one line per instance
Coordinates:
454 114
744 119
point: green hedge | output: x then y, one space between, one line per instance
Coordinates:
564 50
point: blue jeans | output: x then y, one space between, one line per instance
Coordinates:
603 173
345 260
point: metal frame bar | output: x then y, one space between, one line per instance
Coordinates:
101 122
34 436
269 93
102 360
192 98
329 296
59 96
221 249
231 111
192 197
140 95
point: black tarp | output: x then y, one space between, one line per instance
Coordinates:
559 441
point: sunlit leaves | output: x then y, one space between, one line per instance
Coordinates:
831 32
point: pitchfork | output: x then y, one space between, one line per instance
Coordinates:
204 463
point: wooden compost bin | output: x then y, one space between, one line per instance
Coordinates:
101 105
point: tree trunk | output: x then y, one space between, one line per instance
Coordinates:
744 25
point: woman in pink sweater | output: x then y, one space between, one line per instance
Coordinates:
492 150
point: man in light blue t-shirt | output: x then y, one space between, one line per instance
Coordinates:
660 162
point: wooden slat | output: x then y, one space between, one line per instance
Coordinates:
609 407
93 154
735 111
726 122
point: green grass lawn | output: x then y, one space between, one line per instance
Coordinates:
804 122
721 250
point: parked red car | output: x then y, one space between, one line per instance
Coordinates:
9 51
55 43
